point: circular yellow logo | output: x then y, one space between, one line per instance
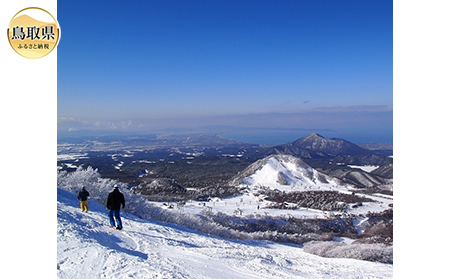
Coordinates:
33 33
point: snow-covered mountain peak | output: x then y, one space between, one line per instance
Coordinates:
285 173
314 135
322 146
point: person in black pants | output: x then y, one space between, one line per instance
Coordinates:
115 199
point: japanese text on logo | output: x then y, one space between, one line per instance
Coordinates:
33 33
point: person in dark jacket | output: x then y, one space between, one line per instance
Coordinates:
115 200
82 197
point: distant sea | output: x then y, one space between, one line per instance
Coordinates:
270 138
282 137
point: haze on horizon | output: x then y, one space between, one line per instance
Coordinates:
259 68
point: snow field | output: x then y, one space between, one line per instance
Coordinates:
244 205
88 248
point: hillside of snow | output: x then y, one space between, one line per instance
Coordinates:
287 173
88 248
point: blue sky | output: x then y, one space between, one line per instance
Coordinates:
283 67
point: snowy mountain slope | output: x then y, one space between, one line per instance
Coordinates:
364 179
316 146
286 173
331 147
88 248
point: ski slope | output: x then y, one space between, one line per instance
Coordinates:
297 176
88 248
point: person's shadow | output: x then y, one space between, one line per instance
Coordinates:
111 241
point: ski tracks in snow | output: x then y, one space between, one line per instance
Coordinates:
88 248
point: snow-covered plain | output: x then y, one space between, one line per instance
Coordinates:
250 204
88 248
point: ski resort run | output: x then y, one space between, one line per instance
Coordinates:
88 248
